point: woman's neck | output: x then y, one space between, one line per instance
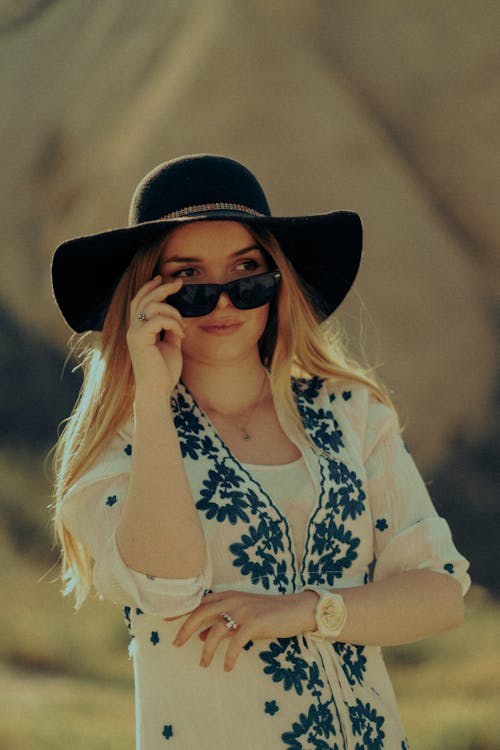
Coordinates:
227 389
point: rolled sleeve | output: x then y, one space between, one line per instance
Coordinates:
91 512
408 532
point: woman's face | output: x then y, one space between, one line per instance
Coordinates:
215 252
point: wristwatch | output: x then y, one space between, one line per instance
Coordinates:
330 613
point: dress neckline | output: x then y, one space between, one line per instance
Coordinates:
290 465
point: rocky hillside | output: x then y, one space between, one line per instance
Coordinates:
389 109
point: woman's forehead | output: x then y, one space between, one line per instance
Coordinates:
208 240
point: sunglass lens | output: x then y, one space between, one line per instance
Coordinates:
253 291
194 300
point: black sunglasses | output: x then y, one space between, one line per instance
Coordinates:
195 300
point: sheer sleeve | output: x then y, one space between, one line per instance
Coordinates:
91 512
408 532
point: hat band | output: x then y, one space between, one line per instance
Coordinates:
212 207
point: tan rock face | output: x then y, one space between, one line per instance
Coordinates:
331 105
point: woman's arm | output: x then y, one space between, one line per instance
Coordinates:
159 533
404 608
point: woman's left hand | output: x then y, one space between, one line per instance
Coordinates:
257 616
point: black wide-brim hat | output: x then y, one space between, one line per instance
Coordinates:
324 249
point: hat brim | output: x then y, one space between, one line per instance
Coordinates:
324 249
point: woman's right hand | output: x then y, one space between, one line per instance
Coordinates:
156 359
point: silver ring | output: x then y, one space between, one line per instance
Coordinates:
141 316
228 621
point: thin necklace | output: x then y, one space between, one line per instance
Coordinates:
246 435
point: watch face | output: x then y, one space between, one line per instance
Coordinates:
331 614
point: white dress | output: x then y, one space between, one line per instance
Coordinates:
352 510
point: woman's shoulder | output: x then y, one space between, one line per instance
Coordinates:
362 406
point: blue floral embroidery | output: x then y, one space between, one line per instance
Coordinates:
271 707
226 495
284 664
189 430
332 540
263 552
367 724
128 449
353 661
126 614
346 395
316 421
405 745
307 389
316 726
325 437
449 568
111 500
222 484
335 548
154 638
262 544
382 524
248 645
348 493
139 611
315 683
167 731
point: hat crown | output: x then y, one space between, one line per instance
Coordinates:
196 182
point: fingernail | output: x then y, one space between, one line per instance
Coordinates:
176 642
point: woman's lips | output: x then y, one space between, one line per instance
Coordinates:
221 329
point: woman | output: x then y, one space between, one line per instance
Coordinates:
241 487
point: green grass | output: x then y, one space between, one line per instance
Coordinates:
448 687
51 713
66 681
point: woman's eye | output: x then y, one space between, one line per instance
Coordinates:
248 265
184 273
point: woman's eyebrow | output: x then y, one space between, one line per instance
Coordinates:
185 259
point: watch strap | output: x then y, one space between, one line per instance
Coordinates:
330 612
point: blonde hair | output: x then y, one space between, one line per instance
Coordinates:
296 345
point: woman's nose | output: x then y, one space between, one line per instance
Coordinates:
224 301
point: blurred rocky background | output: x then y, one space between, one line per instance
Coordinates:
388 108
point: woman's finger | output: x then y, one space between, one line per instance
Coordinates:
156 290
152 308
206 615
158 323
148 287
237 641
217 633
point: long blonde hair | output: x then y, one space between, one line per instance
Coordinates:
296 345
